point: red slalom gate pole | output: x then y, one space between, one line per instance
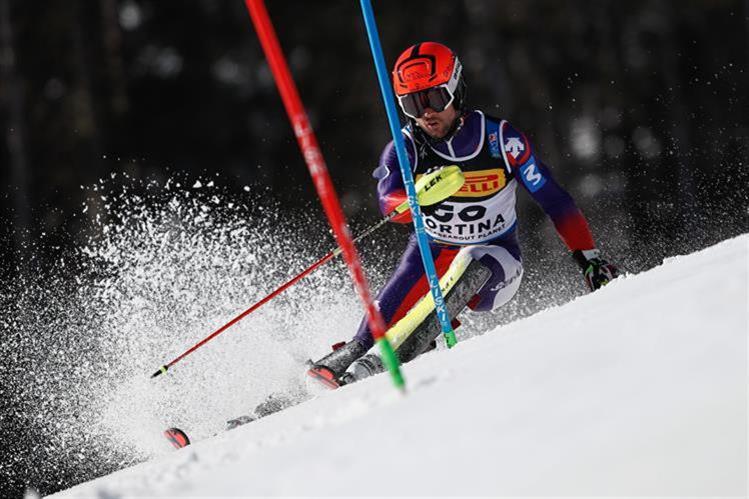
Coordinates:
320 176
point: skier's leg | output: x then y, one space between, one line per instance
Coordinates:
404 288
490 280
414 334
507 273
417 330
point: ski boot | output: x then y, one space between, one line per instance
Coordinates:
363 367
371 364
330 368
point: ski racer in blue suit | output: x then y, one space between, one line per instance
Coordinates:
480 218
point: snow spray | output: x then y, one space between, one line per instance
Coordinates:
164 262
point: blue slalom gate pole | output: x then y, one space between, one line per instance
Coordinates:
405 166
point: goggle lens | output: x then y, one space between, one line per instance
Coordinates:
436 99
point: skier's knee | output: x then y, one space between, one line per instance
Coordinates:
495 294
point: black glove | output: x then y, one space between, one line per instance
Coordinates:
596 270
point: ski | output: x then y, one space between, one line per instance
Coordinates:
325 377
177 437
273 403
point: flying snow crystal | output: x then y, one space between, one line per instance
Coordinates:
161 273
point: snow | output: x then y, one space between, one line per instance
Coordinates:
637 389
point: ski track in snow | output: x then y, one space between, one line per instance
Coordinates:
637 389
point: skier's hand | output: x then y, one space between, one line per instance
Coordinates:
596 270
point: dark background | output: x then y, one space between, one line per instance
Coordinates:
640 107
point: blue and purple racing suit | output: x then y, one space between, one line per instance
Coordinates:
479 219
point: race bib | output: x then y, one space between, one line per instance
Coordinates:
461 220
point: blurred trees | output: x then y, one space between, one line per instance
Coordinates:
640 107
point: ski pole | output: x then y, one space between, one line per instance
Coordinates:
322 261
432 188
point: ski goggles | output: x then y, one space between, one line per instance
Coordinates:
435 98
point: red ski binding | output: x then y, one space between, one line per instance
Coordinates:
177 437
324 376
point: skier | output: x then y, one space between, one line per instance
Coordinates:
475 226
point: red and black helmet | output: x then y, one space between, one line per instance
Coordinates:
428 75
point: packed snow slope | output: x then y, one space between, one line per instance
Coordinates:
637 389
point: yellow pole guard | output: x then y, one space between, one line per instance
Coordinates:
436 186
402 329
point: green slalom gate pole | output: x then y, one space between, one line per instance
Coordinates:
405 167
321 178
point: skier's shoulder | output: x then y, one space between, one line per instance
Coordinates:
511 142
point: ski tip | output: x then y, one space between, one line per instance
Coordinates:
325 376
177 437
